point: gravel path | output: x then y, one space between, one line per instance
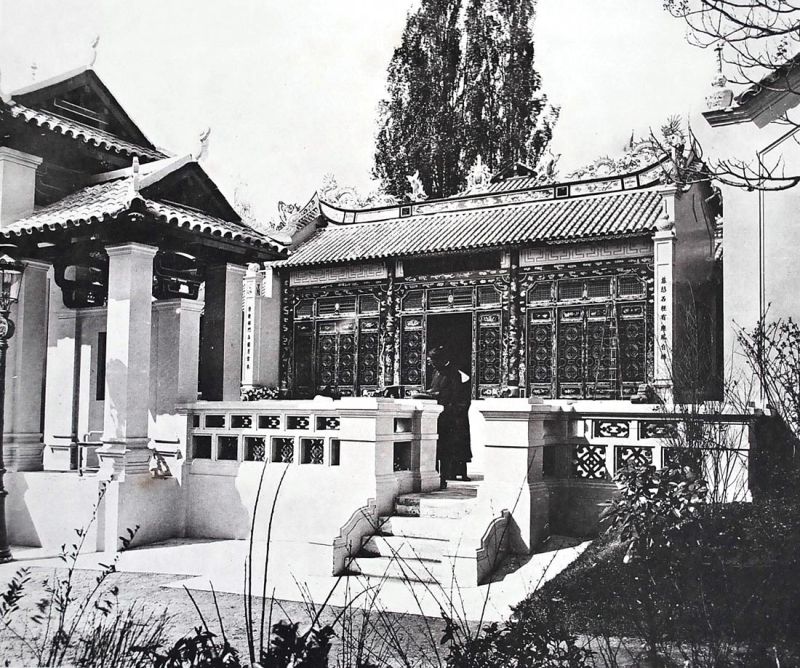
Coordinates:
418 637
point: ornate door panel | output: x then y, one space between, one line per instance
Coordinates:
632 347
601 370
368 355
303 358
540 352
412 354
336 359
489 355
571 367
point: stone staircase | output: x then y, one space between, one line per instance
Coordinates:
414 542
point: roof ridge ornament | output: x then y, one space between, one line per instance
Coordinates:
721 96
93 52
417 192
202 147
135 179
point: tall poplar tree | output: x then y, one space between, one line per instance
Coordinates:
506 117
461 84
419 125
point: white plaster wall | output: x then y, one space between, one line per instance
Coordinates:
90 322
43 509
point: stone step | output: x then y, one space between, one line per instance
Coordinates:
420 527
413 505
413 570
405 547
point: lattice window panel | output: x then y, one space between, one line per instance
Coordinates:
449 298
611 429
255 448
282 450
368 353
215 422
304 309
541 291
228 448
326 357
411 358
488 295
630 286
269 421
312 451
336 305
657 429
368 304
412 300
598 288
632 455
570 289
589 462
489 349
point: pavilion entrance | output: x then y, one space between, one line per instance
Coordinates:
454 332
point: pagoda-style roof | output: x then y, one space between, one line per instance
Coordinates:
613 207
130 204
78 104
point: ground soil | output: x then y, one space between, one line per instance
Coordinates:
417 636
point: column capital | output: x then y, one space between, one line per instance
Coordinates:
131 248
36 265
18 157
229 267
179 303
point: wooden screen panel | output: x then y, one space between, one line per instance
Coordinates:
412 357
540 353
303 358
489 352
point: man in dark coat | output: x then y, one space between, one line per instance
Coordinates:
451 388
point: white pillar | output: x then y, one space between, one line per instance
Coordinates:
25 371
127 393
17 184
175 354
663 298
262 327
221 351
59 394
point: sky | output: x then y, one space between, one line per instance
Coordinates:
291 89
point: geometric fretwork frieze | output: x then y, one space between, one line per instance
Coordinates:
589 461
611 429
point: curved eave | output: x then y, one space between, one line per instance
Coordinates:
89 136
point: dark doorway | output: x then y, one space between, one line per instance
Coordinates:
454 332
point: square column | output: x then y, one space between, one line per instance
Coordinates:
127 389
262 327
175 355
25 370
221 348
60 399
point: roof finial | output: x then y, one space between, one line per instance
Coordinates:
93 51
135 174
4 97
721 97
202 149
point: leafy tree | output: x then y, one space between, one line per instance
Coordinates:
461 85
419 127
506 117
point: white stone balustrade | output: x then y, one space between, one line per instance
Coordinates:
326 466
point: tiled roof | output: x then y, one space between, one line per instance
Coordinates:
609 215
105 201
88 135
